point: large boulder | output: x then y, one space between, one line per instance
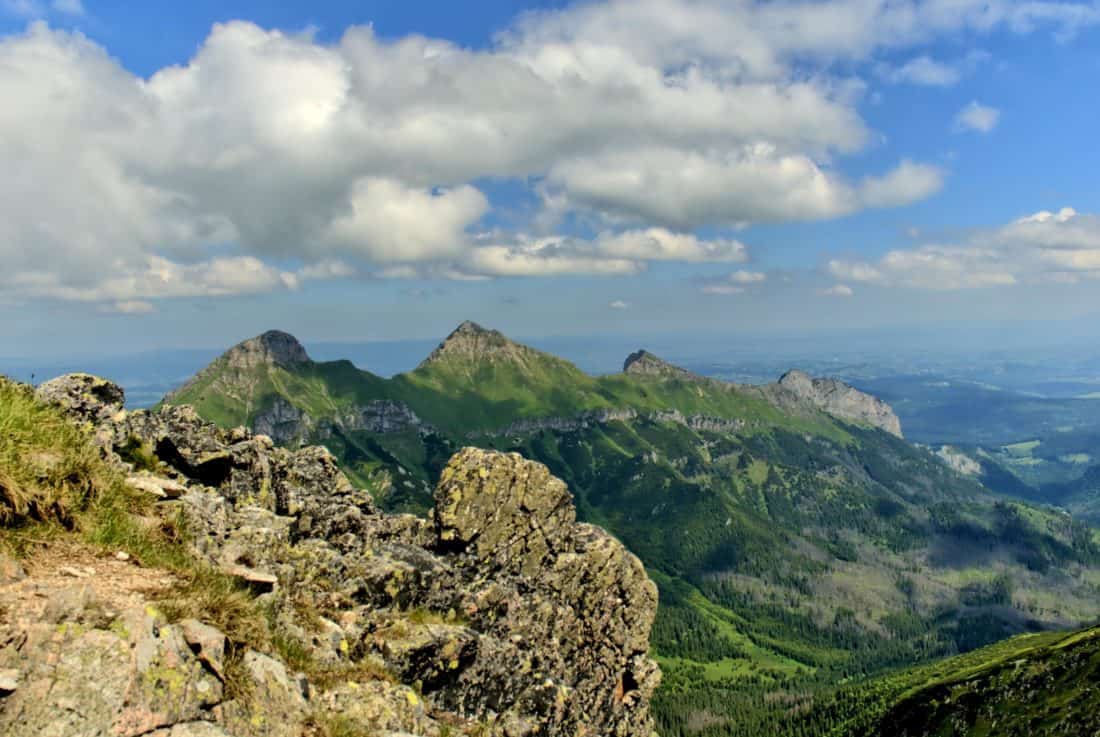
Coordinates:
508 511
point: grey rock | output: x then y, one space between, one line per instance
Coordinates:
502 608
506 509
644 363
841 400
207 643
276 705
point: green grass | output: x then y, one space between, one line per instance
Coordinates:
50 472
56 487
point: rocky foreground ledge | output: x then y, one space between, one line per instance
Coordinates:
501 615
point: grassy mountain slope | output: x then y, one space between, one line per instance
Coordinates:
792 549
1027 686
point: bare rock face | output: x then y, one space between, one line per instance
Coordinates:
506 616
273 347
841 400
469 340
644 363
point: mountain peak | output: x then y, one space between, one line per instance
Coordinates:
273 348
644 363
470 341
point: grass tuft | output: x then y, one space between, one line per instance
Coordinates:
49 468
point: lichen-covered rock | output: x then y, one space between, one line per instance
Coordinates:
88 399
275 707
508 511
124 677
501 615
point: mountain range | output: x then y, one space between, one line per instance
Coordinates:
797 539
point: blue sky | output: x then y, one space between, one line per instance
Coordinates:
191 175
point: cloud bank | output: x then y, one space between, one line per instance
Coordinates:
1061 247
271 158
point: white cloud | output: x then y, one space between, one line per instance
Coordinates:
1061 247
929 72
160 278
609 254
69 7
732 283
618 305
748 277
392 222
922 70
909 182
977 117
551 256
837 290
278 148
659 244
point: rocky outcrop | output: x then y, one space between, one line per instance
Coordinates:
273 347
286 424
841 400
471 341
959 461
604 416
501 615
644 363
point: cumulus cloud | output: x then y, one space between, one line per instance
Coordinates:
659 244
1059 247
609 254
907 183
618 304
391 222
275 147
977 117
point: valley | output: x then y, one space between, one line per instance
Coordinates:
793 549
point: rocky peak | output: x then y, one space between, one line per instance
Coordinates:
471 341
644 363
531 624
841 400
271 348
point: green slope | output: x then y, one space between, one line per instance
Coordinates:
792 550
1027 686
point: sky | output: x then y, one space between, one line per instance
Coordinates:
182 175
